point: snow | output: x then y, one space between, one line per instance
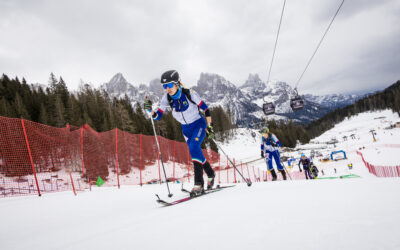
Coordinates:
358 213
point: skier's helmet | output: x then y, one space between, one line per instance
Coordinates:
170 76
264 131
303 155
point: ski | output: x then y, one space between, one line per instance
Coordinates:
217 187
166 203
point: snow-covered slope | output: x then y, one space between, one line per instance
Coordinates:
359 213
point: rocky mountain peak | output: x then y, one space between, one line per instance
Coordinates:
253 81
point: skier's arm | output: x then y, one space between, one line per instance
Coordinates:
276 140
160 111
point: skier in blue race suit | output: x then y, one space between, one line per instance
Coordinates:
185 105
306 162
270 149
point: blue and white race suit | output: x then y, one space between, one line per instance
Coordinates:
270 147
193 124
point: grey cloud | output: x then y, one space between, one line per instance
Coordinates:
93 40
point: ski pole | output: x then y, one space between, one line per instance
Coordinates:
159 152
287 171
248 182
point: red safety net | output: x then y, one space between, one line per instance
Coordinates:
37 159
381 171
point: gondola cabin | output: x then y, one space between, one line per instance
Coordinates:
268 108
296 103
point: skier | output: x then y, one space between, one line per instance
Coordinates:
314 170
269 148
185 105
306 166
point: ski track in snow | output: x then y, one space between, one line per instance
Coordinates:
359 213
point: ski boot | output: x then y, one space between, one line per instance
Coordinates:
283 174
197 190
273 175
210 183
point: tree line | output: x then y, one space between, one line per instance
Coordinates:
56 106
386 99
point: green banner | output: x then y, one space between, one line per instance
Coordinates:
340 177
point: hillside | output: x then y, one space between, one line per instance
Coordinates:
356 213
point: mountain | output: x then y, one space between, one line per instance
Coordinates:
333 100
245 102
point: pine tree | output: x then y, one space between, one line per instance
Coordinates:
59 112
6 109
43 116
20 108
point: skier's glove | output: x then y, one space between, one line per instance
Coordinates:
147 105
262 154
210 132
300 170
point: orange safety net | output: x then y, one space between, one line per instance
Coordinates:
37 159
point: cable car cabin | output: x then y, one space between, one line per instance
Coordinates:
268 108
297 103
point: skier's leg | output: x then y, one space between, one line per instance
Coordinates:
283 173
268 160
198 173
208 169
308 174
277 158
195 133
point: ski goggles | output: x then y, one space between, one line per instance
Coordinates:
168 85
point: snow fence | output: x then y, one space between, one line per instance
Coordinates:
381 171
37 159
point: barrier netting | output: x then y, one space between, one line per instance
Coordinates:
381 171
37 159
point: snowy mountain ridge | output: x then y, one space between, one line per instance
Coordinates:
245 102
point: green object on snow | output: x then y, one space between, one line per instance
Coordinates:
340 177
99 181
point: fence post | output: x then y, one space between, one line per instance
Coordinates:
82 151
188 164
234 172
227 170
30 157
173 167
219 169
140 159
254 173
72 182
116 154
248 172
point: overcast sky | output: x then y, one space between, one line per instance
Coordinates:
93 40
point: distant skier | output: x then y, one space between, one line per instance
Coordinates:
185 105
269 148
314 170
306 162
